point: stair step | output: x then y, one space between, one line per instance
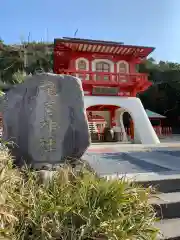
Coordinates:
170 228
165 198
163 185
166 205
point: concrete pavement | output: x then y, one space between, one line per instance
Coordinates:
111 159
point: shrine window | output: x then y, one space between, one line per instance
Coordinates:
123 70
122 67
102 67
82 64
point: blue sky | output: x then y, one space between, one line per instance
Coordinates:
138 22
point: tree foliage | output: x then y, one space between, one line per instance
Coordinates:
163 97
26 58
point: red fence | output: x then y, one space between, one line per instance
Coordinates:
160 131
163 131
108 78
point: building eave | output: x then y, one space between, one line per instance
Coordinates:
107 47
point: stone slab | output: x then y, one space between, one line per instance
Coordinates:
170 228
46 120
165 198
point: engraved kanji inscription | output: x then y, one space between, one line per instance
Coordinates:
51 125
48 145
50 88
49 108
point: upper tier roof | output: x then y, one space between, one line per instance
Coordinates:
108 47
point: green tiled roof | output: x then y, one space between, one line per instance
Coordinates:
153 114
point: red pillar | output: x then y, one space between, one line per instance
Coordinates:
112 117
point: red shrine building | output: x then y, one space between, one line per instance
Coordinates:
110 82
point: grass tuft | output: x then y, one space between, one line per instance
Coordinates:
72 206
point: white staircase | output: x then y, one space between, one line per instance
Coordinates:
92 127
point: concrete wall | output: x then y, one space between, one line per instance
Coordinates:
144 130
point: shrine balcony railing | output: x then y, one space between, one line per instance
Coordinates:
107 78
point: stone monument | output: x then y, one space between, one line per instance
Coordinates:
45 119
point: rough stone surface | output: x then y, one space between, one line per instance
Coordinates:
46 120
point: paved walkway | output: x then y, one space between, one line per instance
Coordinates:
134 159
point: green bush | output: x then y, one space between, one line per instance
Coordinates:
72 206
